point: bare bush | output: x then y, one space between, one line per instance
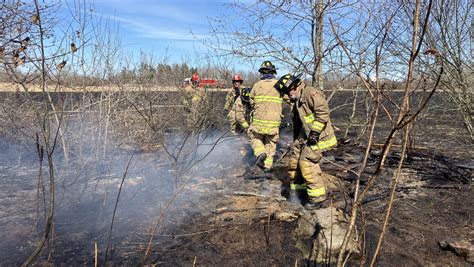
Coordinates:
450 39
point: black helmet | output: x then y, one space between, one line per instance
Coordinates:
267 67
246 94
285 82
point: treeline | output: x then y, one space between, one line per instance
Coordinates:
174 74
163 74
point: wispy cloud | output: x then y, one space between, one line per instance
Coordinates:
160 25
153 30
187 12
155 21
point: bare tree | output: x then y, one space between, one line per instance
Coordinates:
387 40
29 27
291 33
187 129
450 37
42 63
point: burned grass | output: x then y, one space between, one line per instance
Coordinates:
220 218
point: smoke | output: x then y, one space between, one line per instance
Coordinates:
87 185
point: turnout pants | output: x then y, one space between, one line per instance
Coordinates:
232 117
264 143
237 120
305 173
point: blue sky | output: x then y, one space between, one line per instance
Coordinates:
161 25
163 28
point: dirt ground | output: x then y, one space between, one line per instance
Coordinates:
434 203
246 222
419 223
221 218
248 230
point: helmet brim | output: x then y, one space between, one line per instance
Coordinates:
285 84
267 69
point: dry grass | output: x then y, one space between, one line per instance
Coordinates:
10 87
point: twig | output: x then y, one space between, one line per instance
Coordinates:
115 208
246 194
96 254
45 127
237 210
392 197
330 234
189 234
403 113
373 121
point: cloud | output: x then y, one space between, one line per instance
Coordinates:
158 26
166 22
173 11
154 31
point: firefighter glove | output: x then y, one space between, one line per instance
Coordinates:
313 138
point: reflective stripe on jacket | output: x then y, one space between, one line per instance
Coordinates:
266 105
312 113
235 102
195 94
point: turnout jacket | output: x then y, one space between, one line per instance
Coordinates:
235 101
311 113
194 95
266 103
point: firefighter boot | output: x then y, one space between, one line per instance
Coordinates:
315 203
261 160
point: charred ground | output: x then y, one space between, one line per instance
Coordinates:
220 218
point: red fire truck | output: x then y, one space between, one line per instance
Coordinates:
205 83
211 83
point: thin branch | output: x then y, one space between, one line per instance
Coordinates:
115 208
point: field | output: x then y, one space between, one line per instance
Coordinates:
211 214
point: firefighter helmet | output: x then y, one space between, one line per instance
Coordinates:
267 67
237 78
285 83
246 94
195 77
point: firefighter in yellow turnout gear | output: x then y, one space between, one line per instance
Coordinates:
238 105
193 94
313 134
266 103
195 103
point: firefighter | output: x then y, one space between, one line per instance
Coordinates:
313 134
266 103
193 94
195 80
192 84
238 105
194 102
